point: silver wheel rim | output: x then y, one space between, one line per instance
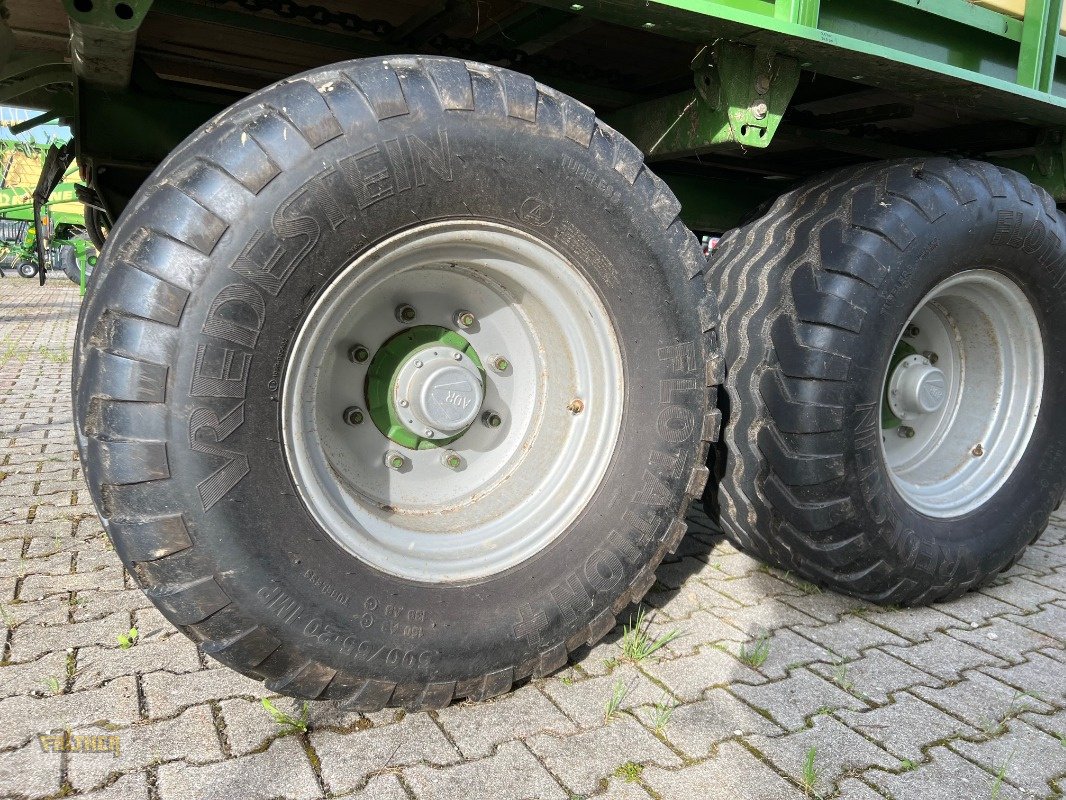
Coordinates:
455 509
967 397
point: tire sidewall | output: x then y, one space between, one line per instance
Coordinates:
986 539
264 547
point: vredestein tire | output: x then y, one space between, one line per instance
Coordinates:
818 299
219 264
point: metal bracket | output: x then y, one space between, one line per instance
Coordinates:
741 93
103 37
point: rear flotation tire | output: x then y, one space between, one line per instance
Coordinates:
183 342
813 296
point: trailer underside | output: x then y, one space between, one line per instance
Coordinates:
820 85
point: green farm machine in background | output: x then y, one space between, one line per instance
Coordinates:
67 246
403 361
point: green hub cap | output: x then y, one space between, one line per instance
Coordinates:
424 387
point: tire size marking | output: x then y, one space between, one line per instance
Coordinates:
645 518
237 315
360 649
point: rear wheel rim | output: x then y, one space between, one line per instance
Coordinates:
962 393
383 456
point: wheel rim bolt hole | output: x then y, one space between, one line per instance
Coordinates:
931 356
576 406
405 313
978 451
491 419
911 332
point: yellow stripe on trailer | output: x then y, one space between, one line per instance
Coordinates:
1014 8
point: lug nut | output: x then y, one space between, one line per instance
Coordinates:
358 353
978 451
760 110
911 331
394 460
491 419
576 406
905 432
353 415
451 459
464 319
931 356
500 364
405 313
428 433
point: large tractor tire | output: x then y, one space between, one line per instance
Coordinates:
67 260
391 388
893 335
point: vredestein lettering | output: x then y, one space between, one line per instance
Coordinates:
237 315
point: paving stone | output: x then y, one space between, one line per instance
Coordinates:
381 787
696 727
32 676
848 637
348 758
281 771
948 776
733 772
32 641
30 771
167 693
907 726
585 701
913 624
189 737
690 676
249 725
825 606
1050 620
944 656
770 615
1023 593
511 774
755 588
980 700
837 748
703 628
477 728
1002 637
581 760
1044 757
1040 675
791 701
175 653
25 716
129 787
789 650
874 676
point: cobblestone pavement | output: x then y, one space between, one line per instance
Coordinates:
772 690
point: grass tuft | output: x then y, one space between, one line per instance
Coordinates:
614 702
288 722
637 644
754 654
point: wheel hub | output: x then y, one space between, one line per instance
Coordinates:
439 392
916 387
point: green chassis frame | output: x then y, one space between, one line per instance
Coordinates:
944 51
